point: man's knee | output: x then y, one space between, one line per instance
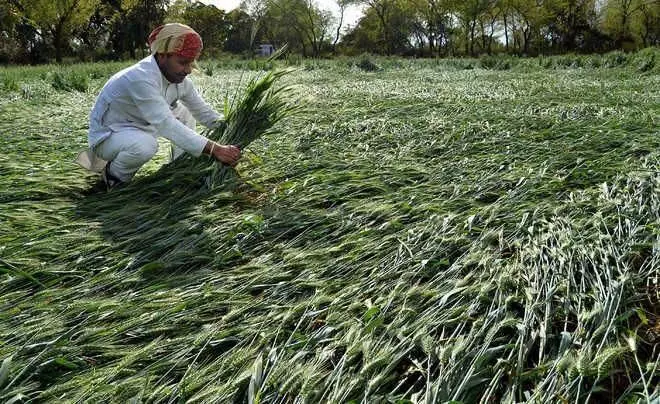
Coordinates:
145 149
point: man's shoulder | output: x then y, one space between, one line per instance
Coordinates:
144 70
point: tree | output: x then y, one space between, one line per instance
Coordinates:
529 17
388 25
176 10
384 11
281 23
318 26
435 18
10 16
59 18
488 21
627 19
343 5
211 24
469 12
362 36
505 7
300 23
649 23
95 34
572 19
239 31
137 19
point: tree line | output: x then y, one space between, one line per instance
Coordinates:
38 31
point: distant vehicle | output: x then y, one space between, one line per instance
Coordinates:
265 50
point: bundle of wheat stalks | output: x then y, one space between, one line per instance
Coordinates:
252 113
250 116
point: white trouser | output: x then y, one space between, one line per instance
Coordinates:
130 149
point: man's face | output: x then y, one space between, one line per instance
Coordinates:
175 68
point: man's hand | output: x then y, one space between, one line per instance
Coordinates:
223 153
227 154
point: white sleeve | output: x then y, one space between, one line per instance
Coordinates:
155 111
202 111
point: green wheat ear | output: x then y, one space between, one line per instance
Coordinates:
567 364
606 358
584 363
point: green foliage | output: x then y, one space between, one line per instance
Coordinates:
545 62
208 69
37 30
299 23
615 59
253 112
646 59
593 61
568 62
209 21
69 81
60 18
366 63
495 63
9 82
260 64
461 64
643 60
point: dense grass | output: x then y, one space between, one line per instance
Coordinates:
425 231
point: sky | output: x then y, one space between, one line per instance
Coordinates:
351 16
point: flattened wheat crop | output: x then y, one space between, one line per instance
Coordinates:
417 233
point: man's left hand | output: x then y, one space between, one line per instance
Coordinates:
227 154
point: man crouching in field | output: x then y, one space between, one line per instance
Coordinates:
149 99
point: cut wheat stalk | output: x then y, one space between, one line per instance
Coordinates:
252 114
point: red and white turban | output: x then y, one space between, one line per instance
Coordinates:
175 39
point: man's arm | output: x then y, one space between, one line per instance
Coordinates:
199 108
154 110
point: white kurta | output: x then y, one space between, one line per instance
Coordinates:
139 97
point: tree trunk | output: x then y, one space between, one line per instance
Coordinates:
384 26
483 36
526 37
493 21
316 48
131 49
506 35
467 41
646 34
57 43
515 44
302 42
473 26
341 21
